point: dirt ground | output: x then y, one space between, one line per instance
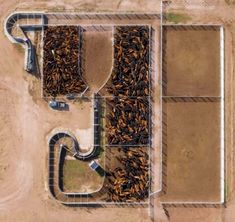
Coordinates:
192 138
191 64
98 53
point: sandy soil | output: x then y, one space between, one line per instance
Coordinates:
92 5
191 62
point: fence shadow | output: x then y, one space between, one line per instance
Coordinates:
193 205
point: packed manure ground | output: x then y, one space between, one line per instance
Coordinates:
128 116
97 61
128 110
191 151
128 177
191 114
191 61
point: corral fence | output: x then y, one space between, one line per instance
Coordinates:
53 181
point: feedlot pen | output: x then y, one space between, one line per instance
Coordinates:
121 170
128 135
193 114
192 102
116 153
